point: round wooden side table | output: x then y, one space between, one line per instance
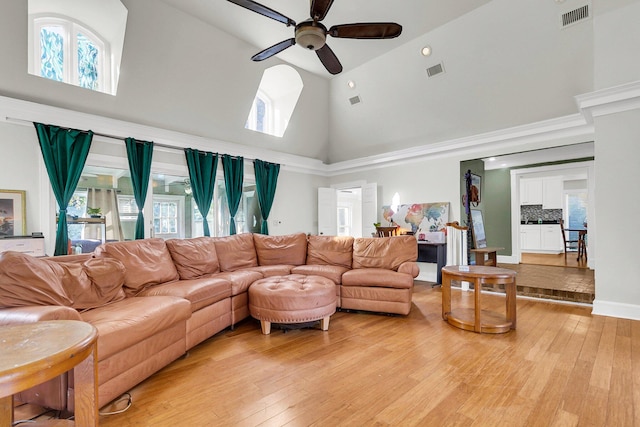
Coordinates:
475 319
37 352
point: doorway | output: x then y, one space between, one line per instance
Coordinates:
348 209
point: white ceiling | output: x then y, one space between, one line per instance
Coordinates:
417 17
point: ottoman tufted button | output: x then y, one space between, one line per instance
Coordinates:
294 298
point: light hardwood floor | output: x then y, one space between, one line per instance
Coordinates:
562 366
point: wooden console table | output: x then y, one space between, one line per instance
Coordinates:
434 253
492 258
475 319
37 352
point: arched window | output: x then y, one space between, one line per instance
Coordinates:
275 100
77 42
68 52
261 115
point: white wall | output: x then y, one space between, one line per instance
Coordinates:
506 63
617 206
20 170
616 44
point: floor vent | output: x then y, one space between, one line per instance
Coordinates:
355 100
574 16
435 70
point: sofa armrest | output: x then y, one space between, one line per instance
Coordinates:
35 313
409 267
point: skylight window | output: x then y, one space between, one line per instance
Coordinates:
275 100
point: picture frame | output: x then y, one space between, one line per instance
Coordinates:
477 223
13 213
476 181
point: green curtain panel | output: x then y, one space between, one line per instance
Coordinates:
139 154
202 173
64 152
233 175
266 182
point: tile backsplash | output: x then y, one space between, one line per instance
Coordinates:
534 212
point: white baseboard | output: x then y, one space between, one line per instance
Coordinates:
616 309
508 259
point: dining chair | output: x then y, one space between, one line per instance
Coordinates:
386 231
569 243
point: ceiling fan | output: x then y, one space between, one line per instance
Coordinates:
312 35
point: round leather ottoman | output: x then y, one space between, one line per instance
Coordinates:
295 298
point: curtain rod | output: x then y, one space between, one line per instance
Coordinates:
104 135
119 138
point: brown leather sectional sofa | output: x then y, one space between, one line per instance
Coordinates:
152 300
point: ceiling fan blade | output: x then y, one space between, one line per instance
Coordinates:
373 30
319 9
273 50
264 11
329 60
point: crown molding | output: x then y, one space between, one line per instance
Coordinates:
609 101
553 129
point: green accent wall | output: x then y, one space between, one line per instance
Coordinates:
496 199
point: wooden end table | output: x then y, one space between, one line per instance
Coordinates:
475 319
37 352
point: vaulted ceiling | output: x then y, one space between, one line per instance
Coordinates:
417 17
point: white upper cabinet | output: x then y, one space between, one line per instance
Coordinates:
531 191
552 192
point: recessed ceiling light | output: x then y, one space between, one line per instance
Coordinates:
426 51
492 159
351 84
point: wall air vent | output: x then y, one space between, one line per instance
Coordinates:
435 70
355 100
574 16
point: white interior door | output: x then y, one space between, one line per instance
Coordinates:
327 211
369 208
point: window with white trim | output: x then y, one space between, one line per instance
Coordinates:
77 42
66 51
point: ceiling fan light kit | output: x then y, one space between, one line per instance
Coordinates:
312 35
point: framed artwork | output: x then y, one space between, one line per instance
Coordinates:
479 238
13 215
476 185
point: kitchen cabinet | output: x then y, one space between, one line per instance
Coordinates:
552 188
551 238
529 237
531 191
541 238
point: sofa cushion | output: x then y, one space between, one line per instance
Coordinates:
93 283
384 252
147 262
333 272
200 292
127 322
376 277
330 250
194 257
27 280
240 279
236 252
272 270
280 250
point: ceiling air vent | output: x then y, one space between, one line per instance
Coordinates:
355 100
435 70
574 16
